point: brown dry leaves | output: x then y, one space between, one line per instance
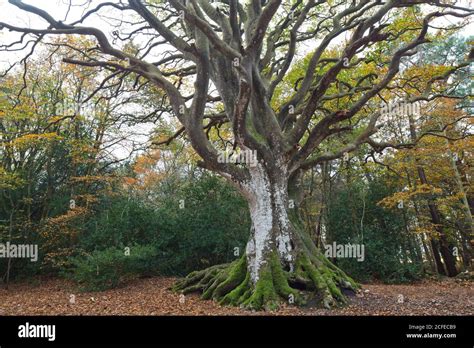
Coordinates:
152 297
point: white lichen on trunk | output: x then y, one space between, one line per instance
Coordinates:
283 236
260 204
268 203
277 244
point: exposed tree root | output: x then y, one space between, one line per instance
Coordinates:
314 277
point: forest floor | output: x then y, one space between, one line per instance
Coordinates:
152 297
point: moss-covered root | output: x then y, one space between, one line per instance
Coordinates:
327 280
198 280
231 284
270 290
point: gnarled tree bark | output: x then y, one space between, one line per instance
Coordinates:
238 55
280 261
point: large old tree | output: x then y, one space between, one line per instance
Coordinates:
230 62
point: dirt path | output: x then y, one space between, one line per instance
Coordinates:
152 297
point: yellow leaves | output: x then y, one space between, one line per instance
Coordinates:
31 140
419 77
9 181
64 219
406 24
59 231
90 179
422 191
161 138
54 119
146 162
81 151
193 156
439 158
82 41
86 199
129 181
146 171
427 228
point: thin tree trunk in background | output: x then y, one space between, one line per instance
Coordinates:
466 229
317 235
432 255
448 257
428 253
9 262
466 250
415 248
465 203
444 248
324 202
437 256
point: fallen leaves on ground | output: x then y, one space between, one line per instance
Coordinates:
152 297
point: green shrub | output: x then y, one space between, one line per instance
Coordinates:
168 240
213 222
111 267
389 254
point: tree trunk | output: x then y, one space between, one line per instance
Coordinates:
466 248
280 258
432 256
10 233
437 256
428 254
444 247
443 244
466 229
